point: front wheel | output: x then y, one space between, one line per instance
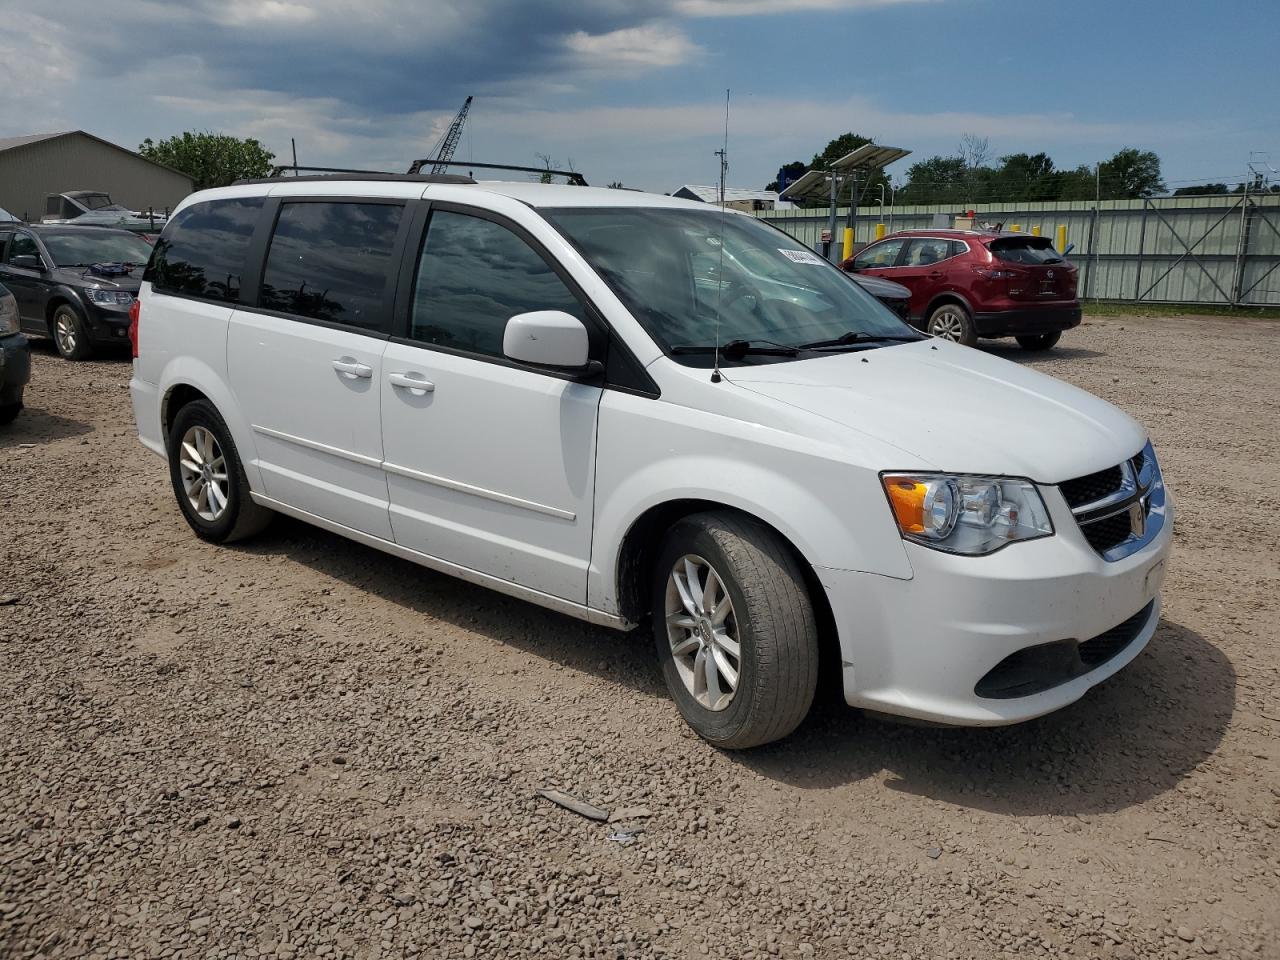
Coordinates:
208 479
1040 341
952 322
70 333
735 629
9 412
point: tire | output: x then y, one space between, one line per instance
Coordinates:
770 616
70 333
225 512
951 321
1041 341
8 412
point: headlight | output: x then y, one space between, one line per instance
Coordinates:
969 515
121 298
8 314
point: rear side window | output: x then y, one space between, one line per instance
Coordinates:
201 252
926 250
474 276
331 261
1025 250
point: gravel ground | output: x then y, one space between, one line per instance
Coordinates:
300 747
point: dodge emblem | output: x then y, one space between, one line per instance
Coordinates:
1138 519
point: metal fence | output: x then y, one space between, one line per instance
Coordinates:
1218 250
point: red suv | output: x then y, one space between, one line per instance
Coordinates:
967 284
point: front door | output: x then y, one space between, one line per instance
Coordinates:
490 465
306 363
26 285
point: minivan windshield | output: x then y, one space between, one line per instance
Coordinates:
677 271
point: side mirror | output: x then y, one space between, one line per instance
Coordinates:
28 261
547 338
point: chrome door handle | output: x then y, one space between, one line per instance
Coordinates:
411 381
352 368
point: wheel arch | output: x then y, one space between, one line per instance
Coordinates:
641 544
947 296
59 297
185 379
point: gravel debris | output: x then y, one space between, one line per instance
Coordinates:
157 689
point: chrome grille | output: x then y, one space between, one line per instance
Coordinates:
1121 508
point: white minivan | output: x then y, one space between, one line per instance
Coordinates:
635 409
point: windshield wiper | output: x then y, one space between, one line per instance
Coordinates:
735 349
858 336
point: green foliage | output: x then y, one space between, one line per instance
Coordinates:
1131 174
211 159
1200 190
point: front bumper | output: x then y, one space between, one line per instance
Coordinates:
1022 321
15 368
107 324
920 647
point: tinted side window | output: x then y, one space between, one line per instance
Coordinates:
202 249
473 277
879 255
331 261
22 244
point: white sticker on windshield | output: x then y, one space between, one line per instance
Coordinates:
800 256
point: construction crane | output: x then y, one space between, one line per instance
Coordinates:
451 138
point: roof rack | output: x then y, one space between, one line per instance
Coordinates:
571 175
278 173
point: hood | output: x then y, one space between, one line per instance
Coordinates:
956 408
84 277
880 288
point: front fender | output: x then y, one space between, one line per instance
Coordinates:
833 513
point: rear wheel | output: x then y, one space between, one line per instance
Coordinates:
208 478
70 333
734 629
952 322
1040 341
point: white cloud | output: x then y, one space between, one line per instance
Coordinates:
37 66
653 45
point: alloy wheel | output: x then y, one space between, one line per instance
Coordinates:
64 332
204 473
703 632
947 325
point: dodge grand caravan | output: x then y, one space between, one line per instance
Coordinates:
525 386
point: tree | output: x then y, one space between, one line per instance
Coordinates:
210 159
974 150
1131 174
1027 176
936 180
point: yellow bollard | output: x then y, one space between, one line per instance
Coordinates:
1062 237
847 252
1035 231
1016 228
879 231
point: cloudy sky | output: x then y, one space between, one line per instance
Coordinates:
633 90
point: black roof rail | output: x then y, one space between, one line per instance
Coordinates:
573 176
278 175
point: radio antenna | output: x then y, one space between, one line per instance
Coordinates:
723 154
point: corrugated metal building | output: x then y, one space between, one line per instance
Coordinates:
35 166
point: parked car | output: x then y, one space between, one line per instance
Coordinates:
967 284
73 283
893 295
532 387
15 359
